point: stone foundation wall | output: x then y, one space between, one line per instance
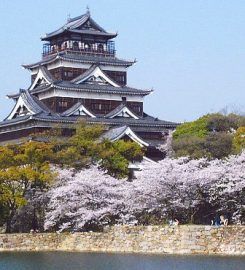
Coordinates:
183 239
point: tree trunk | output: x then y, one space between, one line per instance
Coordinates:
192 217
9 221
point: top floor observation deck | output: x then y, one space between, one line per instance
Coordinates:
80 35
77 47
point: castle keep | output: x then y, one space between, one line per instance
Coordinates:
80 77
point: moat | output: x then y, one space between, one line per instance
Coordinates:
99 261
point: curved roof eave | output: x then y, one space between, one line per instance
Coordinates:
86 60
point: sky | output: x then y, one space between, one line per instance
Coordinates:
191 52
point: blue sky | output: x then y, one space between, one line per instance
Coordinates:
191 52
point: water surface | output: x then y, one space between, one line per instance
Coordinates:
97 261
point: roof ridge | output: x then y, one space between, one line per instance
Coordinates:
85 74
119 108
47 73
75 23
76 106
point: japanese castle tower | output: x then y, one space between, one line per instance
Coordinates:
79 76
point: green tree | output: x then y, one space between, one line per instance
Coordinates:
115 156
198 128
218 144
86 147
22 168
239 140
221 123
209 136
189 145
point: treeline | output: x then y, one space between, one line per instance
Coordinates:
26 169
211 136
72 183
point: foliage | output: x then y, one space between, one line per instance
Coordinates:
221 123
209 136
197 128
188 145
85 148
239 140
22 167
218 144
115 156
192 191
25 169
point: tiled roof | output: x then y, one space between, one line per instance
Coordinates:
33 103
78 25
115 111
74 108
118 109
41 112
80 58
117 133
100 120
135 122
114 133
47 74
9 122
95 88
85 74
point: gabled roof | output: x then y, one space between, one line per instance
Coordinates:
80 58
92 88
43 118
121 111
94 75
83 24
118 133
28 104
78 110
44 77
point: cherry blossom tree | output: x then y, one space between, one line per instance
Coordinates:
190 190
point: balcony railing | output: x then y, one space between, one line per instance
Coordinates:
109 51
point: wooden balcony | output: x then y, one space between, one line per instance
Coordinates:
50 50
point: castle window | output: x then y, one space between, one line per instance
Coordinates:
75 46
68 74
63 104
100 48
96 106
87 46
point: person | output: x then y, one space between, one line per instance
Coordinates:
170 222
176 222
217 220
223 220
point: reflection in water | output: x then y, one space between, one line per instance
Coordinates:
95 261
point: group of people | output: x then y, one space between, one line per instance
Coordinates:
219 220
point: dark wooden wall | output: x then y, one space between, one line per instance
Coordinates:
118 76
97 106
68 74
13 135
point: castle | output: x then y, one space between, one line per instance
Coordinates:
80 77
